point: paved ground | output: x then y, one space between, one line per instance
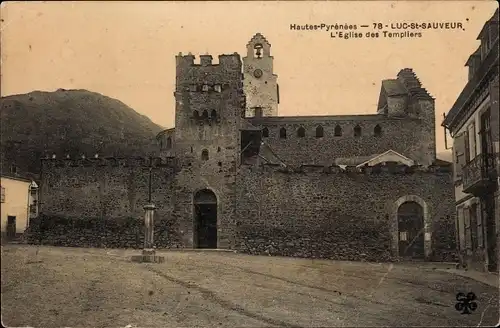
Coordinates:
69 287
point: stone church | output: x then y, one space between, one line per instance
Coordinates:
234 174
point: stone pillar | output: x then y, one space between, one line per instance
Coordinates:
149 227
148 252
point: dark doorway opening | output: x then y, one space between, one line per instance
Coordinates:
11 227
411 230
205 220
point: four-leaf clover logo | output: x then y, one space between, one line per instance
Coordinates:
466 303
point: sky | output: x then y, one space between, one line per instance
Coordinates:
126 50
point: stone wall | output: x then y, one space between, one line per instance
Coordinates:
401 135
336 215
99 232
105 187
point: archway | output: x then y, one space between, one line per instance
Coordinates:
411 230
205 219
417 218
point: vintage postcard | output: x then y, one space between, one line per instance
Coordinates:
250 164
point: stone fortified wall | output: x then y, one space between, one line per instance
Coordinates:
99 202
326 212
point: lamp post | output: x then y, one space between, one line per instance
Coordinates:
148 251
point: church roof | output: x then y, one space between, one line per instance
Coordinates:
394 87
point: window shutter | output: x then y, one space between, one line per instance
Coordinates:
458 155
466 147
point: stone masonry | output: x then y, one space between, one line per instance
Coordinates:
294 195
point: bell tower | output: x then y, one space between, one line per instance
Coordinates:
260 83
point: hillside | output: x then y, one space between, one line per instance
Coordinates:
73 122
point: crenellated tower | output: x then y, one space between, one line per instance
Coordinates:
209 104
260 82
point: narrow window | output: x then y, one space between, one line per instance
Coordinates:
282 133
218 149
301 132
319 132
196 114
205 87
213 114
338 131
357 131
204 155
265 132
191 149
205 114
169 142
377 131
217 88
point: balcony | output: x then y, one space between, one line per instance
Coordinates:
479 175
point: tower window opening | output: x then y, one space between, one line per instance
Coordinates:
169 142
205 87
319 132
217 88
357 131
338 131
301 132
282 133
257 50
377 131
218 149
204 155
196 114
205 114
213 114
265 132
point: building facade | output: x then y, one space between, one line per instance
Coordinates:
18 205
473 122
232 174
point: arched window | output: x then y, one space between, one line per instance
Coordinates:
213 114
338 131
377 131
205 87
205 114
196 114
319 131
204 155
357 131
217 88
161 144
218 149
301 132
282 133
169 142
257 50
265 132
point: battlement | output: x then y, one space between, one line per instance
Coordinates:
145 162
412 83
398 169
226 62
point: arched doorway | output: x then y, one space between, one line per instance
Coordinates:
411 230
205 219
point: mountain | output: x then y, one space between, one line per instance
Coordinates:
69 122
